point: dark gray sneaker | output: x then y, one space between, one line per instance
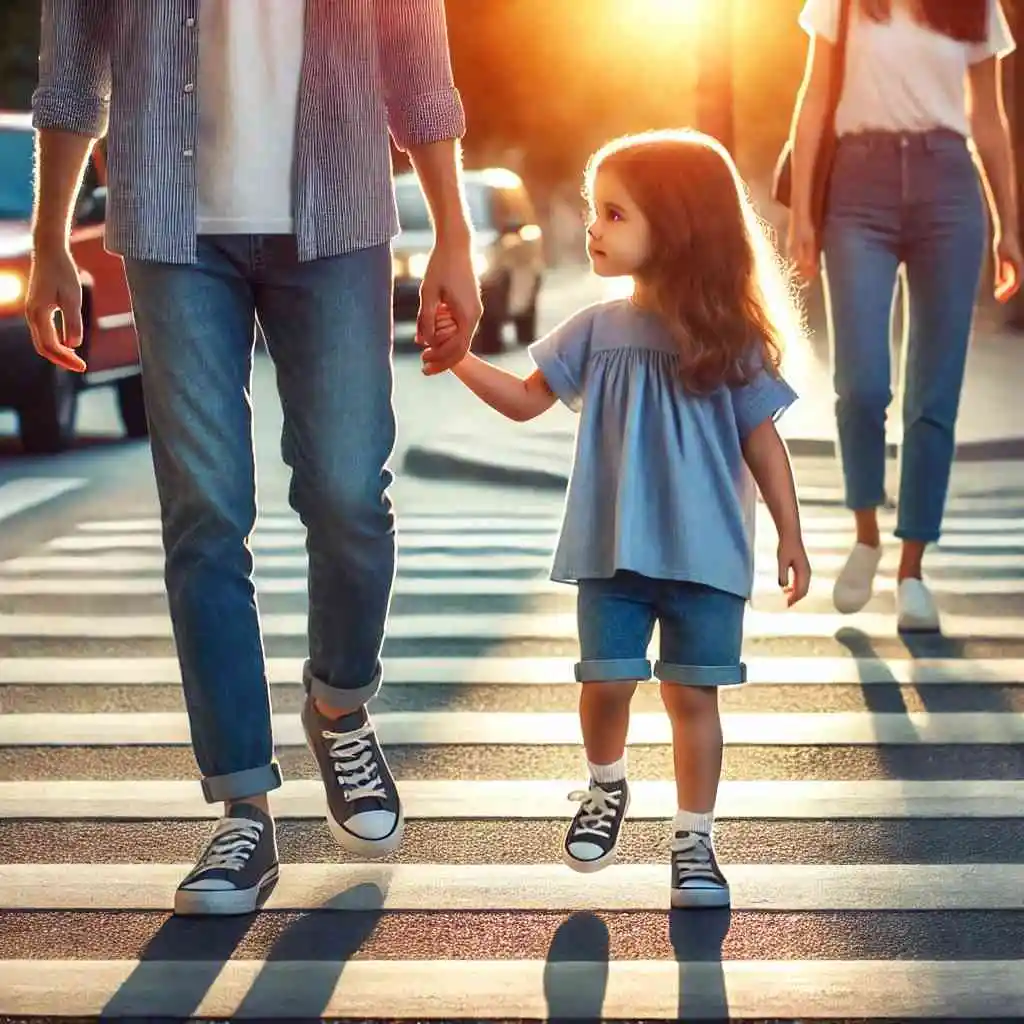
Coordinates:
697 880
593 834
239 863
364 812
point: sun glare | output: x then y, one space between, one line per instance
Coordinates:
648 16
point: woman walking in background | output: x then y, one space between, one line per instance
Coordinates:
921 78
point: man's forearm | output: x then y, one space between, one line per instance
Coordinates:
61 159
438 167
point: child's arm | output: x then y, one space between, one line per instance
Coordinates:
517 398
768 460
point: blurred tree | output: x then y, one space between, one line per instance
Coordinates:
19 51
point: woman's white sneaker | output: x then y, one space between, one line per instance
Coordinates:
856 581
916 611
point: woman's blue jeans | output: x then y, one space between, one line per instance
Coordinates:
912 199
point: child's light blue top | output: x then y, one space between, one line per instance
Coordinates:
659 485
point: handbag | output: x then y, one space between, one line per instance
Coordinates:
782 182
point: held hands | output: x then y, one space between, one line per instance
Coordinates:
445 328
449 284
1008 264
794 569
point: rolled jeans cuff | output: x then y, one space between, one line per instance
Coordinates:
239 785
626 669
345 697
701 675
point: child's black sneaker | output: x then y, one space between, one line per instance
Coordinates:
593 834
364 812
238 865
697 880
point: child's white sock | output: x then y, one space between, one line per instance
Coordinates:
614 772
688 821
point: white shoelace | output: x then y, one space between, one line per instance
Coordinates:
233 842
691 857
599 809
355 764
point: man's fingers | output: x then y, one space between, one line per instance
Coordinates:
429 301
71 313
444 355
47 341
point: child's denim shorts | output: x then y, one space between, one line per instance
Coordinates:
701 631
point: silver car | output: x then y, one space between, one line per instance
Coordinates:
508 253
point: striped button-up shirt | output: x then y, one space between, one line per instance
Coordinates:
126 69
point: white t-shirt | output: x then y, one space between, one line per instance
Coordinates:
250 62
901 75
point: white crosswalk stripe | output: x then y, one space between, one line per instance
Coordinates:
835 699
421 887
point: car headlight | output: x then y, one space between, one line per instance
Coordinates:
418 264
12 288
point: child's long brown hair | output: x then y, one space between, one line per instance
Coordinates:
714 275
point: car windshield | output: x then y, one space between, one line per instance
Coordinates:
412 207
16 148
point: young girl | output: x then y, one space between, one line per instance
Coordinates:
677 388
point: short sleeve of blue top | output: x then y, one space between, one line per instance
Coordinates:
659 485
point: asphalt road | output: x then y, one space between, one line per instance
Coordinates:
872 819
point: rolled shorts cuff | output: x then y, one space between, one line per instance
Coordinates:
341 696
627 669
238 785
701 675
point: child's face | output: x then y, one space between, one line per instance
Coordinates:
618 235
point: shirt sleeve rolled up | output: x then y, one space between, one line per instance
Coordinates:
423 103
73 91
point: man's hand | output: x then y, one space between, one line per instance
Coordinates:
451 282
54 286
794 569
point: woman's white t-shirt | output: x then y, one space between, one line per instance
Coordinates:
901 75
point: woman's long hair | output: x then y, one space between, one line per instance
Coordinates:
964 20
713 274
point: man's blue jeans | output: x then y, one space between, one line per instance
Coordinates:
914 199
328 326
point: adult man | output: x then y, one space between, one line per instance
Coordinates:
250 176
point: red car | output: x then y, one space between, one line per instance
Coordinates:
46 396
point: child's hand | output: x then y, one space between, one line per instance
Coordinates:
444 328
793 559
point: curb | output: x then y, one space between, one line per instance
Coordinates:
437 464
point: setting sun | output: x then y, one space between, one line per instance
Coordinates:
647 16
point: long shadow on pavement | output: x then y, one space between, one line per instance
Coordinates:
323 940
577 968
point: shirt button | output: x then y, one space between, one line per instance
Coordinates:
188 152
189 87
190 22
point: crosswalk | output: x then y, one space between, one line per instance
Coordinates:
871 814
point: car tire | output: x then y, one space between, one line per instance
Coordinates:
488 339
131 404
526 326
46 423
